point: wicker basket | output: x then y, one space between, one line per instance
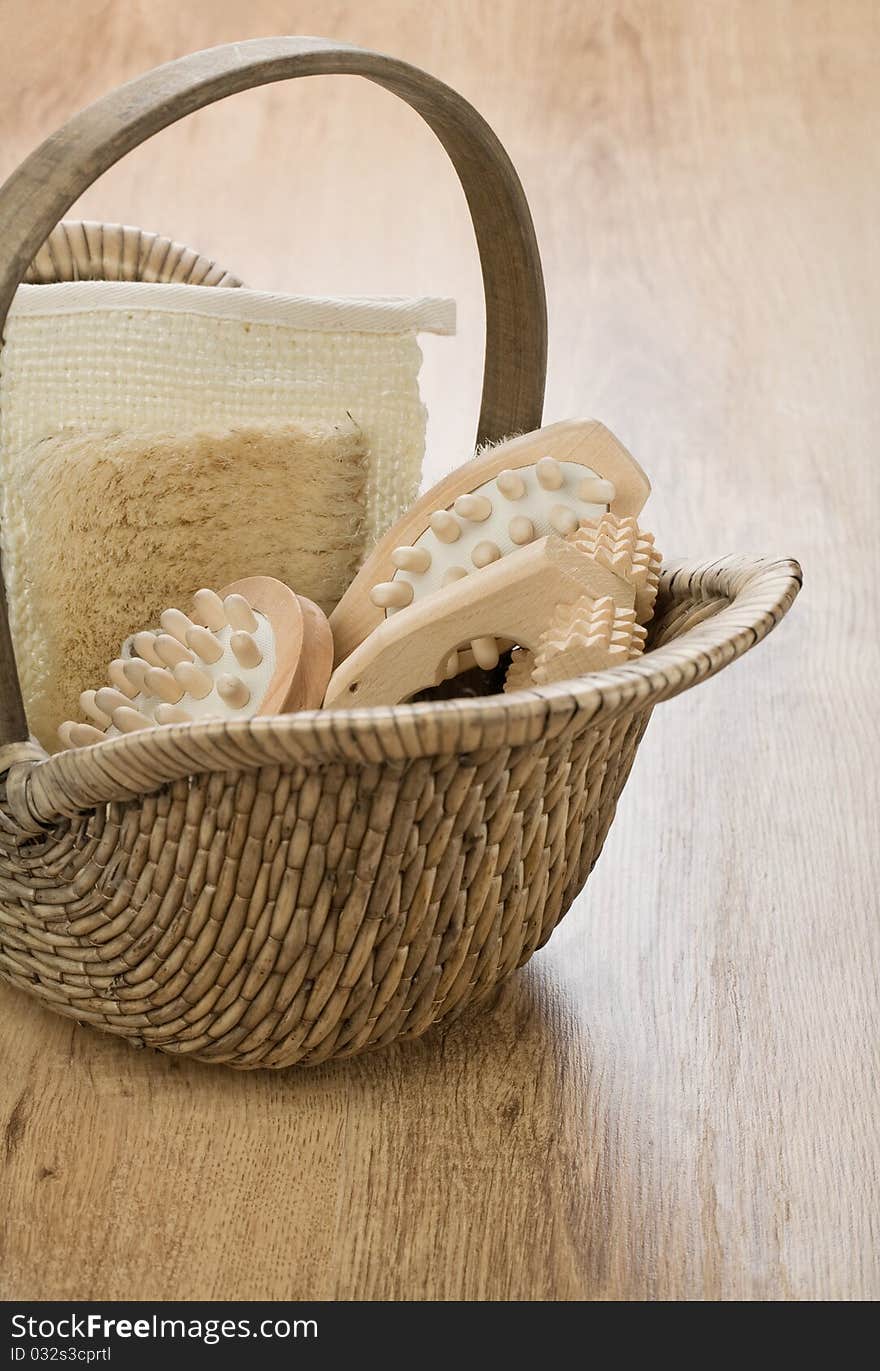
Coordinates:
292 889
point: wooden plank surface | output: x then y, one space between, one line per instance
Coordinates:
677 1098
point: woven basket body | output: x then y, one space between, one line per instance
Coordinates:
292 889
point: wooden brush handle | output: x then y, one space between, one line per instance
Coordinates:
52 178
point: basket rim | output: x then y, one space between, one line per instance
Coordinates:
94 250
758 592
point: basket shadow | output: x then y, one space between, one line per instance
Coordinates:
475 1162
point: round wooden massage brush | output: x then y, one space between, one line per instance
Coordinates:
255 647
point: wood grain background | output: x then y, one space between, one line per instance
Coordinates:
677 1098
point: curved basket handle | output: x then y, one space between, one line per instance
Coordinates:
48 182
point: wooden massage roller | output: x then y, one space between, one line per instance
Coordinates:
595 634
589 635
625 549
533 545
571 604
507 498
253 648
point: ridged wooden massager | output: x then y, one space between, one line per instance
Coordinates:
544 482
296 888
600 631
574 611
477 566
252 648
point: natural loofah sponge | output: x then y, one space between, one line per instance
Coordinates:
113 527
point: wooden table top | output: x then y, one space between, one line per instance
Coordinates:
677 1097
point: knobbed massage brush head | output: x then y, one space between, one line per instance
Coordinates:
506 498
253 648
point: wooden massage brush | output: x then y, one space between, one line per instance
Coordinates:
568 610
255 647
533 545
506 498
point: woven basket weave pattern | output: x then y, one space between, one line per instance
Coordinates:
82 250
263 915
283 915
